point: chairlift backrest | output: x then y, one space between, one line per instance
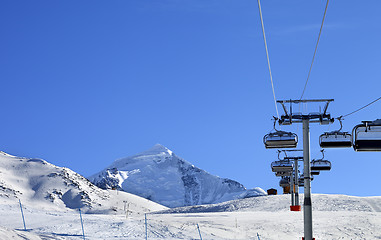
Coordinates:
335 139
367 136
280 139
320 165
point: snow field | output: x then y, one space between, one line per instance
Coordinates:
51 196
334 217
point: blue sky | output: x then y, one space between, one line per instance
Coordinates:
87 82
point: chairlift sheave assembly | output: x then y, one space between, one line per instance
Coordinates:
280 139
367 136
336 139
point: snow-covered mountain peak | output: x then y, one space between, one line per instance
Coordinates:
159 175
158 148
157 154
37 182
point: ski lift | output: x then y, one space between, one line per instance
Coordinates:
284 182
320 164
280 139
282 174
315 172
367 136
301 180
282 166
336 139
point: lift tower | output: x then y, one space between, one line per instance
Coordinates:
315 117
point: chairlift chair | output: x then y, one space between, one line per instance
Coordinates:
315 172
367 136
301 180
336 139
284 182
280 139
320 164
301 177
282 174
301 183
282 166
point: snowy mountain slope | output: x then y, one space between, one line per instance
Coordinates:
161 176
281 203
334 217
39 183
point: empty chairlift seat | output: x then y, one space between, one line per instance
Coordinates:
335 139
320 165
301 180
284 182
280 139
282 174
301 183
367 136
282 166
315 172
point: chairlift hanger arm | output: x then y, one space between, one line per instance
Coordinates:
341 124
284 108
326 107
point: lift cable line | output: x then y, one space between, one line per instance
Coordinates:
317 43
346 115
268 58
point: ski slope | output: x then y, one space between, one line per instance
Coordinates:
51 196
334 217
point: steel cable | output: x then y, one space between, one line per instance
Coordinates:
268 58
360 108
317 43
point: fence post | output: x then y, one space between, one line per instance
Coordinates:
145 223
199 232
22 214
83 231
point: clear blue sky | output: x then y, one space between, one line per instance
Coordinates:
86 82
